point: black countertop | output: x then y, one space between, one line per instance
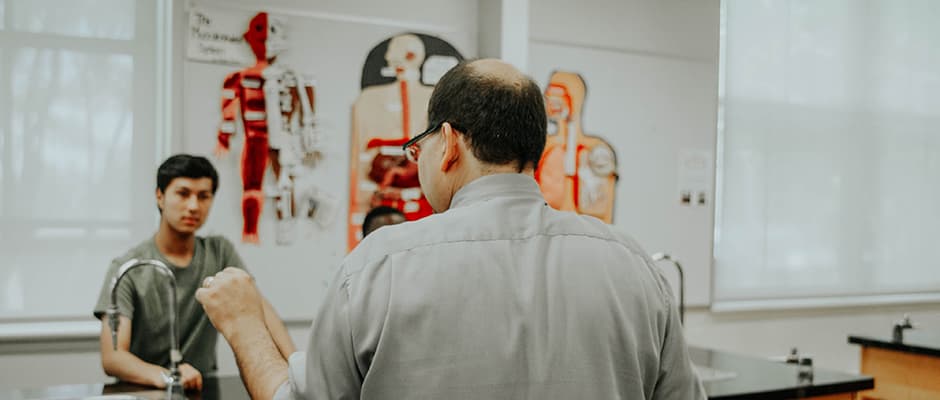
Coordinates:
726 376
730 376
214 388
915 341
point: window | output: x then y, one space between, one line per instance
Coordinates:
78 147
829 153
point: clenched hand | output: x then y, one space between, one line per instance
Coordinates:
231 301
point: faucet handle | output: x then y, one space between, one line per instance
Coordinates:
904 323
793 357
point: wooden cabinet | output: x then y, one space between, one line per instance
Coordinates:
901 375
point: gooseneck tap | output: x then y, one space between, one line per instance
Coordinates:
174 385
897 334
666 257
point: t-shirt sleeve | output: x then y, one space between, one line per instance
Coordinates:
125 294
228 255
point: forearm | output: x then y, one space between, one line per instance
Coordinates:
119 362
282 339
127 367
262 367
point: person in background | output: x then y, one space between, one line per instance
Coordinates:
379 217
497 295
185 188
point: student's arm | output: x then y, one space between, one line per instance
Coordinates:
285 345
124 365
121 363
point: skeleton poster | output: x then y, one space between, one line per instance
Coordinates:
274 108
577 172
397 79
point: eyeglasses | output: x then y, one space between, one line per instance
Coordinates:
411 149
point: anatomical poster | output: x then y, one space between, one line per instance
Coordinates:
578 171
274 108
397 79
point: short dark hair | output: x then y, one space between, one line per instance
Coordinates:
503 120
373 221
186 166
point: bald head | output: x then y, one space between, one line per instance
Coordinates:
498 69
498 109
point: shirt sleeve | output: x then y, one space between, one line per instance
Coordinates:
297 366
328 369
677 377
125 294
229 256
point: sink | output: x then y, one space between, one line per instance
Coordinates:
707 374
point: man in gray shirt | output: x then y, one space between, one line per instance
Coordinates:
496 296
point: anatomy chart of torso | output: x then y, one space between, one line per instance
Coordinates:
577 172
397 80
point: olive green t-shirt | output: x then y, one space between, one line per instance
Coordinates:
143 297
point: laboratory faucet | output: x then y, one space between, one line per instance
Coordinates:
899 327
666 257
174 385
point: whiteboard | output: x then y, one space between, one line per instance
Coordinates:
294 278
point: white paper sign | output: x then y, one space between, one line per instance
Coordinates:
215 36
695 166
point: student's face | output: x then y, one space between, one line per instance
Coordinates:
186 203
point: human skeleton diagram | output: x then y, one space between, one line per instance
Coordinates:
577 172
384 117
275 108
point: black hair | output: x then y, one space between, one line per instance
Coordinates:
185 166
503 119
373 221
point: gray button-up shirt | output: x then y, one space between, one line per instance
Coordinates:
500 297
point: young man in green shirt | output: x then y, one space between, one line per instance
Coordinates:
185 188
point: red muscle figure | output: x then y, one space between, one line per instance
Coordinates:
270 101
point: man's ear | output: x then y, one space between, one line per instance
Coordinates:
159 195
451 140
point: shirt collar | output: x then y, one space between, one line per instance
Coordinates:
497 185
